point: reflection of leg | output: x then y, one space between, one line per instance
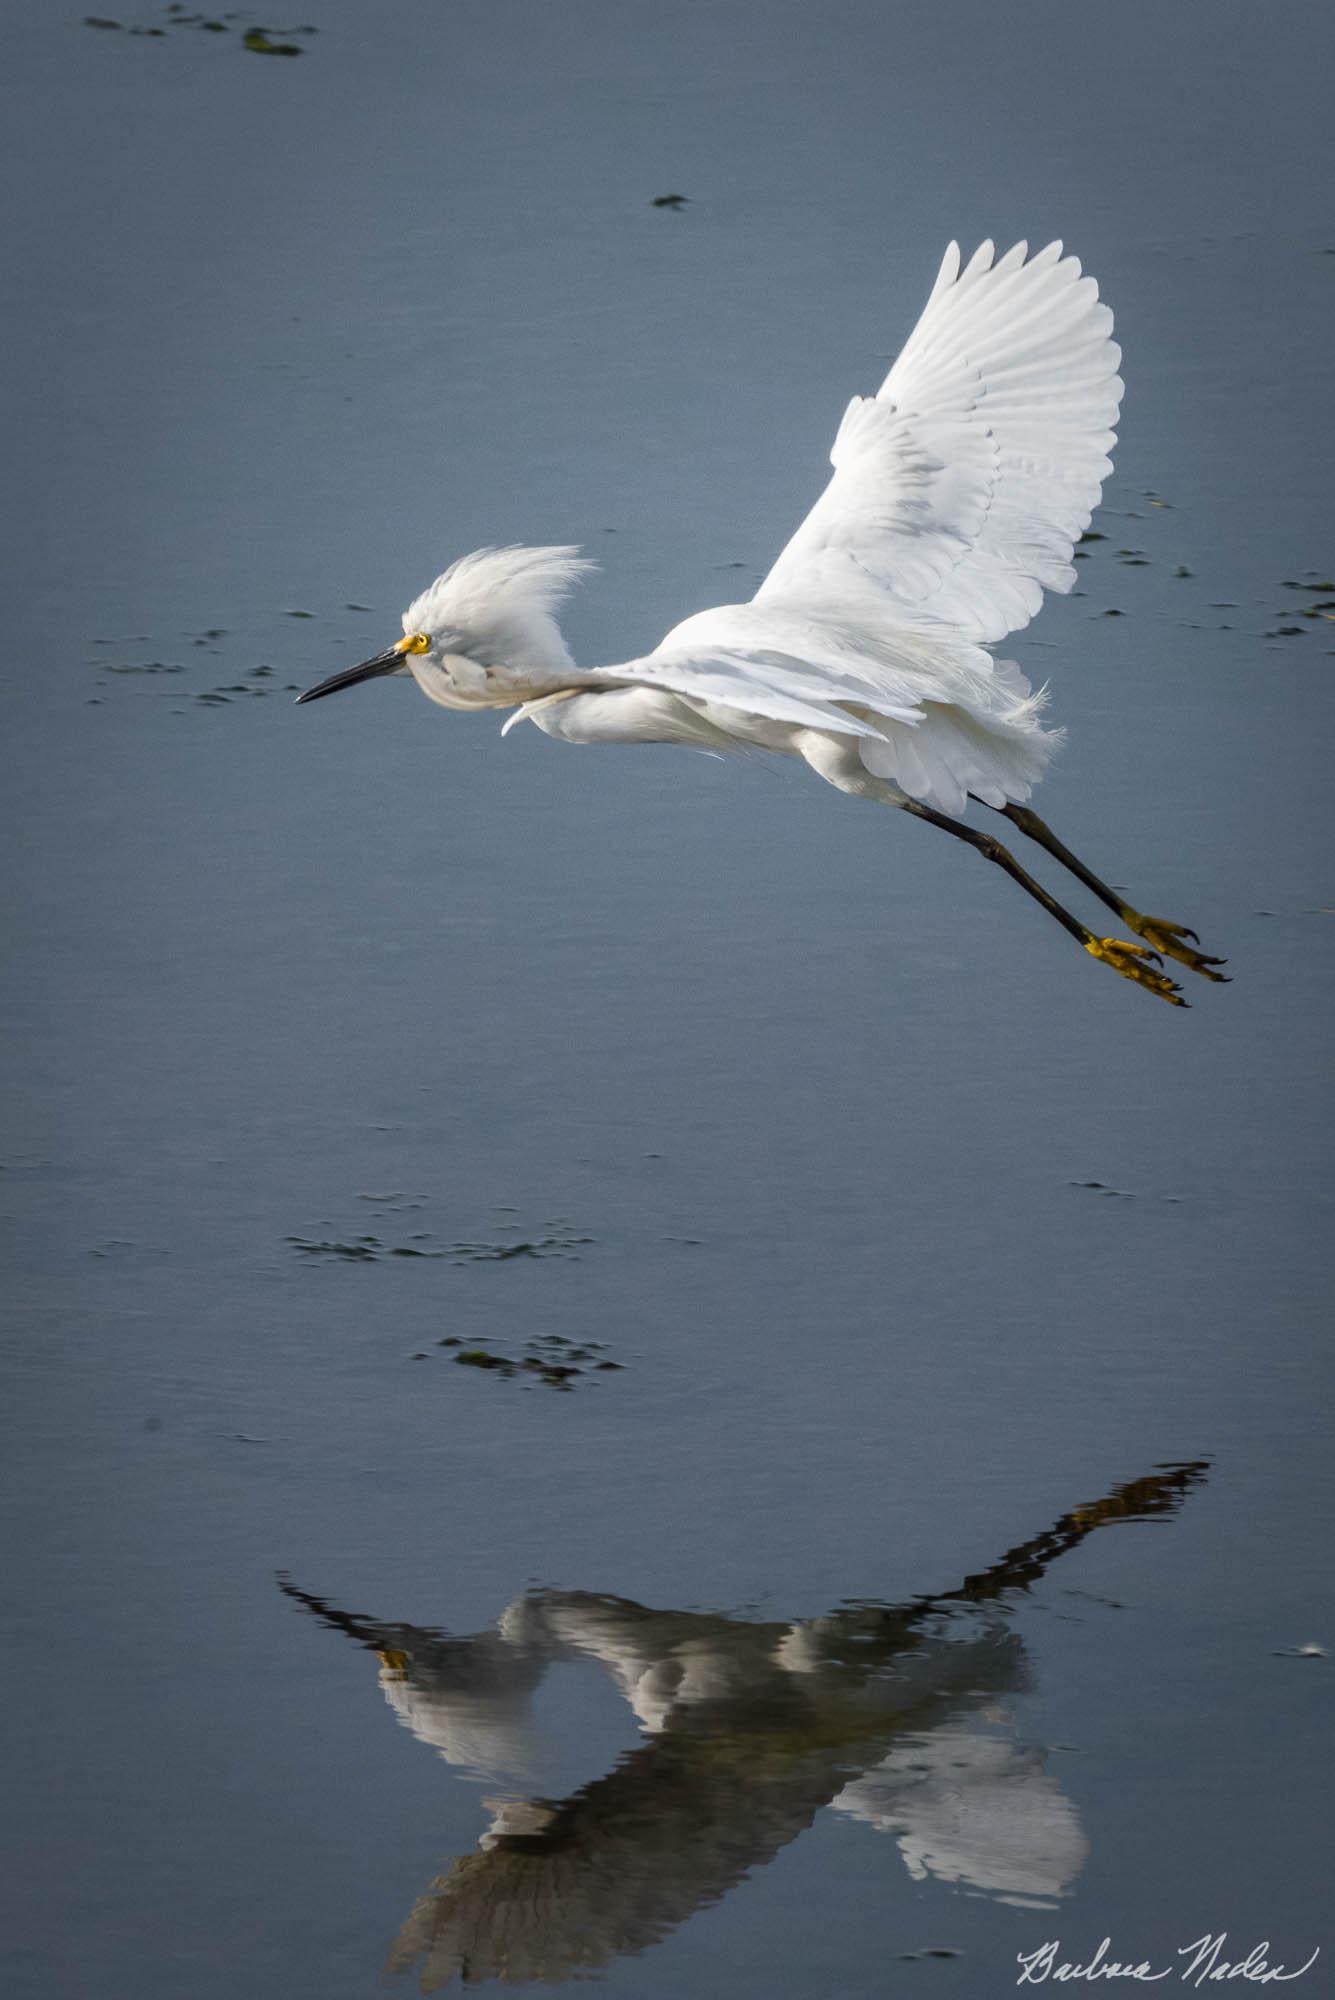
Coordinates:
1171 938
1131 960
1141 1499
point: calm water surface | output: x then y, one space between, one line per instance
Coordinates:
348 1042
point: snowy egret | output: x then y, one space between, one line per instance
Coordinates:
893 1714
958 494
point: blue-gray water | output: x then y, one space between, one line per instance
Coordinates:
795 1102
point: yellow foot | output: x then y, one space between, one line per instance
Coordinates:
1133 962
1171 938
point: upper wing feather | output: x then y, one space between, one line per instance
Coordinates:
961 488
959 491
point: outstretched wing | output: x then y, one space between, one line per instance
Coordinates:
958 494
961 487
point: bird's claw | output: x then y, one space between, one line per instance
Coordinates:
1138 962
1170 938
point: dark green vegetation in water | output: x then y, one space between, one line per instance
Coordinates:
549 1358
259 41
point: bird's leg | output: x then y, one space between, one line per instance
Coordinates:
1165 937
1131 960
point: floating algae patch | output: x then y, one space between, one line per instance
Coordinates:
556 1239
362 1250
259 41
549 1359
556 1242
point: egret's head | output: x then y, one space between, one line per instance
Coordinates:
483 635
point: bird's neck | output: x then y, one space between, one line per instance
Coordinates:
456 682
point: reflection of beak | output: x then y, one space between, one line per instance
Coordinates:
369 670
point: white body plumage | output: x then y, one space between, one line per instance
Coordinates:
958 493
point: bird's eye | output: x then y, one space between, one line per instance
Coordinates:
417 642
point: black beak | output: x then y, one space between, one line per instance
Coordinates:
369 670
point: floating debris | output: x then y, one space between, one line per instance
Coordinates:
261 44
260 41
669 201
361 1251
556 1241
550 1359
1311 1651
1101 1187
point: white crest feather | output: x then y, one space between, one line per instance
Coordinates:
496 605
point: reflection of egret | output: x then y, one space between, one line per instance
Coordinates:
894 1715
959 491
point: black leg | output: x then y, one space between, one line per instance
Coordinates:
1132 961
1164 936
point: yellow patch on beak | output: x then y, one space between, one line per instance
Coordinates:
415 642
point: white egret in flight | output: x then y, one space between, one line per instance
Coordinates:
959 492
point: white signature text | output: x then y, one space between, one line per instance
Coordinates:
1206 1961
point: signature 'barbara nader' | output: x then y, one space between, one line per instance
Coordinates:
1204 1961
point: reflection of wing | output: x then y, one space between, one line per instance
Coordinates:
616 1867
974 1809
675 1826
